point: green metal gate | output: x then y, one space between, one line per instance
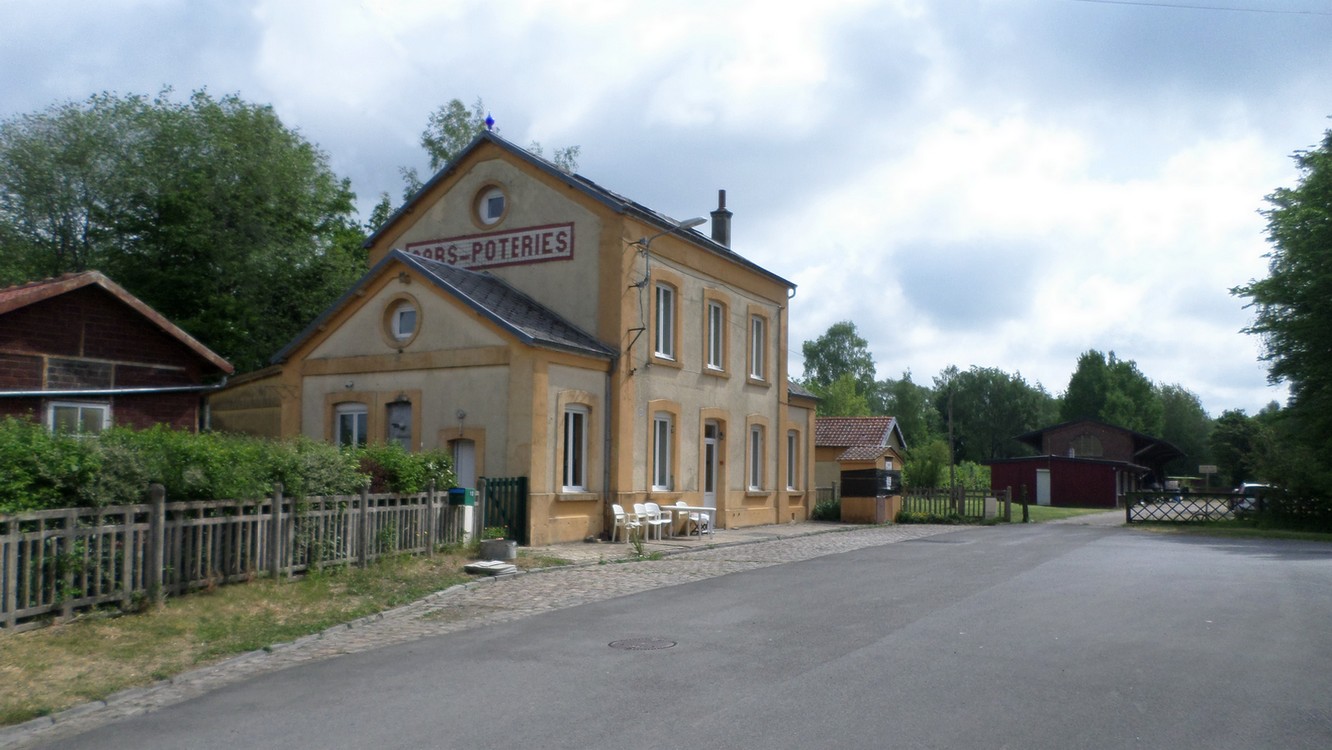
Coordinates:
506 505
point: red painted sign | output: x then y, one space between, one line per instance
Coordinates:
509 248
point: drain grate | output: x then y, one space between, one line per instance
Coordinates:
642 644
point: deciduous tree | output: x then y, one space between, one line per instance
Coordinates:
210 210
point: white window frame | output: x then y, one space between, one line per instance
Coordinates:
662 428
757 347
716 335
792 459
80 407
485 203
576 420
755 457
362 425
664 305
400 332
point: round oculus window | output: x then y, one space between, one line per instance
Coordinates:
491 204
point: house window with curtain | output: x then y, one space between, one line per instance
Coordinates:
756 457
661 451
716 336
792 459
665 321
575 449
351 425
758 351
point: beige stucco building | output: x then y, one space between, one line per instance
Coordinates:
538 325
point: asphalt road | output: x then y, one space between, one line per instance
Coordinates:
1046 636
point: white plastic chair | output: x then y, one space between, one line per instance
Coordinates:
656 519
623 520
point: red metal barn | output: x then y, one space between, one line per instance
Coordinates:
1084 464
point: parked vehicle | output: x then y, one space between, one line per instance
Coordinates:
1248 498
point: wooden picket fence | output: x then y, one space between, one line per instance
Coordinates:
941 501
57 562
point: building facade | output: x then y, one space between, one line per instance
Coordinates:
535 324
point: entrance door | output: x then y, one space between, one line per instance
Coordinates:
710 440
464 462
1042 486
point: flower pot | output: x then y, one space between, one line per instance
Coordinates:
499 549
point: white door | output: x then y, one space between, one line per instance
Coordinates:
710 433
1042 486
464 462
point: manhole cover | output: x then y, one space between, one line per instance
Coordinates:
642 644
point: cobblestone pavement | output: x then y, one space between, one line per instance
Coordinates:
491 601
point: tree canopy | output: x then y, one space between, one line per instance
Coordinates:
840 354
1112 390
1293 305
209 210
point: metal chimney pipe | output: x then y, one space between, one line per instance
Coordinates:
721 221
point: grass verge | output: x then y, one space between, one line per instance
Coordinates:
98 654
1039 513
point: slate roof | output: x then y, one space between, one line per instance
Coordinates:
795 389
521 316
614 201
864 438
20 296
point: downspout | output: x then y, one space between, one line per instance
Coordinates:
607 422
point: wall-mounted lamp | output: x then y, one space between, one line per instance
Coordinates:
350 384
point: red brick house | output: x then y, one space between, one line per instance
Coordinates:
80 353
1084 463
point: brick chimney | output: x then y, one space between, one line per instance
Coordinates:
721 221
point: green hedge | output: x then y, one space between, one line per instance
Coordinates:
40 470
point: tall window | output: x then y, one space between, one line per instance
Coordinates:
665 332
575 448
351 425
792 458
756 457
716 336
78 419
661 451
757 347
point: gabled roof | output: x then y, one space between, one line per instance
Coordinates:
23 295
617 203
1145 447
518 314
864 438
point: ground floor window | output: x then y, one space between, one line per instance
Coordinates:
351 425
661 451
756 457
77 418
575 448
792 459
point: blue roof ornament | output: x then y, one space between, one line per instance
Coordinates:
490 122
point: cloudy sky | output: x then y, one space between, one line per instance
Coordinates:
1000 183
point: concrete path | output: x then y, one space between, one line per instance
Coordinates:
599 571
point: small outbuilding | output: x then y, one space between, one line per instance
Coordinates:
79 354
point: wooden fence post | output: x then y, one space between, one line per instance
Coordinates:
157 544
431 516
1008 505
66 561
275 534
363 532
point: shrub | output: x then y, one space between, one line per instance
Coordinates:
41 470
907 516
826 510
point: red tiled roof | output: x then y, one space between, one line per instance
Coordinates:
845 432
